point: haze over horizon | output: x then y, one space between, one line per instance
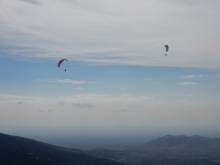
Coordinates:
117 75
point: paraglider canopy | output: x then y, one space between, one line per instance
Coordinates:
60 62
167 48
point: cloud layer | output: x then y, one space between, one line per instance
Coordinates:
116 32
89 111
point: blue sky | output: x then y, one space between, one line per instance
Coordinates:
117 72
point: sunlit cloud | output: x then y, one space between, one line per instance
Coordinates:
190 76
187 83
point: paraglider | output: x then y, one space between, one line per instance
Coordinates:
167 48
60 62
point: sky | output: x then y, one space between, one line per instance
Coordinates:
117 74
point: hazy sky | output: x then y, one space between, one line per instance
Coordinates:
117 72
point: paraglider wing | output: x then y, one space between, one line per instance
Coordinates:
167 48
60 62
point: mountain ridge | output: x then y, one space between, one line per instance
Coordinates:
183 141
18 150
172 150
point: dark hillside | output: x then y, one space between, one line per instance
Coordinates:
17 150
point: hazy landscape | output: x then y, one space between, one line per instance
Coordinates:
98 138
93 82
174 150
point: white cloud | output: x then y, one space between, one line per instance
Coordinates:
74 82
190 76
113 32
187 83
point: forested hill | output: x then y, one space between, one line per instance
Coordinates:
17 150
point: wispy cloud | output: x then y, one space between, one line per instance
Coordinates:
20 99
79 88
74 82
187 83
190 76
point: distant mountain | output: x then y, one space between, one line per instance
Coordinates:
168 150
23 151
194 142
